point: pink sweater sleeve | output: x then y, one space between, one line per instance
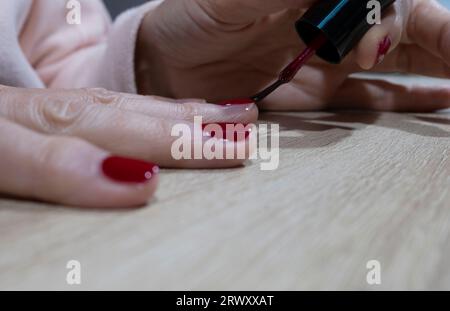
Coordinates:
95 53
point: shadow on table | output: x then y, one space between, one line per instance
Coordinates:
433 120
331 128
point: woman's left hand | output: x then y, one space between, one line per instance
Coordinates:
224 49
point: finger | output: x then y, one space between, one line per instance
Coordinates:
409 58
385 96
429 27
62 170
185 109
380 39
241 12
119 131
153 106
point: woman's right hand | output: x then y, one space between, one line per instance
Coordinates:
54 143
222 49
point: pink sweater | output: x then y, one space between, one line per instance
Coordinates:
39 48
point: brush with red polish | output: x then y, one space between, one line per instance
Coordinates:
330 29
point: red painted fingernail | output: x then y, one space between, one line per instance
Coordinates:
383 49
233 129
238 101
128 170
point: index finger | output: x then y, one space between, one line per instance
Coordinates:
429 27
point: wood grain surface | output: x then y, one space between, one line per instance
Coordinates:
351 187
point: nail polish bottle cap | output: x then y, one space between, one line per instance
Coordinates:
342 22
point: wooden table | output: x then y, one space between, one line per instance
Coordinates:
351 187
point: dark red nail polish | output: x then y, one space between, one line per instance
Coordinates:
226 134
238 101
128 170
383 49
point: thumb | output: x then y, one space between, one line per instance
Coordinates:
241 12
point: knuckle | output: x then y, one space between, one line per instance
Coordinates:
186 111
413 19
58 113
101 96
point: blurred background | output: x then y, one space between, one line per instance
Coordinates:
117 6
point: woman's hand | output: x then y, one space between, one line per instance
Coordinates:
221 49
56 145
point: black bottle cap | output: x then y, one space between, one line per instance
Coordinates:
342 22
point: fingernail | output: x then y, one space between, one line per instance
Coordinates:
128 170
383 49
235 102
230 131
